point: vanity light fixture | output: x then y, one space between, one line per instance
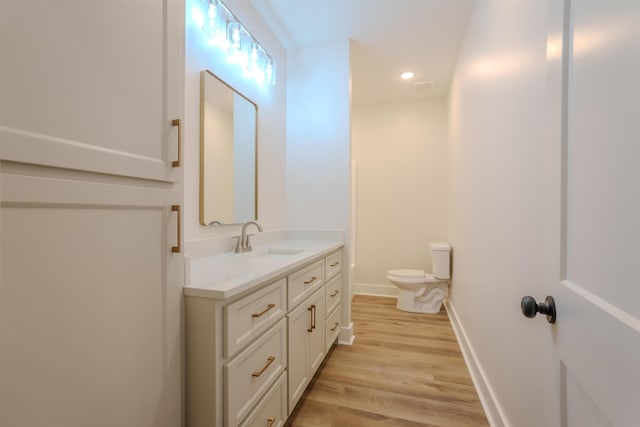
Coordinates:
407 75
224 30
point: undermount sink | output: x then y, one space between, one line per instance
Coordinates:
275 253
283 251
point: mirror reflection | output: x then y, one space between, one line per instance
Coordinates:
228 161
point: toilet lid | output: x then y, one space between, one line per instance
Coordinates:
408 273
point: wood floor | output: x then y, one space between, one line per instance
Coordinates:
404 369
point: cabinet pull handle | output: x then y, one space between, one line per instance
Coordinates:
178 163
335 327
270 360
313 324
269 307
334 264
310 310
177 249
270 421
334 294
310 280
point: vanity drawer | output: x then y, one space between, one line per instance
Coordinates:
304 282
252 372
271 411
333 293
248 317
332 327
333 264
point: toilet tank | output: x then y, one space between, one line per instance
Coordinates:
441 260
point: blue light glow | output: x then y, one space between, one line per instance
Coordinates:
223 30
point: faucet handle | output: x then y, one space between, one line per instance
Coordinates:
247 243
238 244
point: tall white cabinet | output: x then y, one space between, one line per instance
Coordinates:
91 94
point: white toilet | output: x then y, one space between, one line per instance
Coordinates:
420 292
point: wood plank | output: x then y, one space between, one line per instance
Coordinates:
404 369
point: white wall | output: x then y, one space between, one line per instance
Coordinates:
271 101
318 137
497 107
401 156
319 147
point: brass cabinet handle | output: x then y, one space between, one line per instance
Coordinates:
334 294
313 324
269 307
270 421
177 249
270 360
310 310
310 280
335 327
178 163
334 264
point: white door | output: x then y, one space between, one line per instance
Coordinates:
594 213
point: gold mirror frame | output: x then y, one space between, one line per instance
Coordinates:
221 171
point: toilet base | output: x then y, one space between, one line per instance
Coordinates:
413 302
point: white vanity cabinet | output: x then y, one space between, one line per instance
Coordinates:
250 356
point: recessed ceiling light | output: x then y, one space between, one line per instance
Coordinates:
407 75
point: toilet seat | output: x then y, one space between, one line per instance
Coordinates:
408 273
412 276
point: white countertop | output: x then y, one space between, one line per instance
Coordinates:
226 274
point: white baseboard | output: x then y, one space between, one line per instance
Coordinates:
346 336
492 409
374 289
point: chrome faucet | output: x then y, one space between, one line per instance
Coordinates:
244 240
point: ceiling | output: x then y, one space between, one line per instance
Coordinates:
388 37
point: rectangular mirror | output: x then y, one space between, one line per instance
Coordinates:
228 153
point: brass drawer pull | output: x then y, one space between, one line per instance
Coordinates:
178 163
269 307
335 327
270 360
334 264
334 294
313 279
270 421
313 325
177 249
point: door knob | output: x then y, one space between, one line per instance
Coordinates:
530 308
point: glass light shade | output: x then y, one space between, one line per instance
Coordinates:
223 29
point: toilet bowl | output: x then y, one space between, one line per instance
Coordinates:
419 292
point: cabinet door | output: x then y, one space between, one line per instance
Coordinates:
299 321
306 344
89 304
316 338
93 85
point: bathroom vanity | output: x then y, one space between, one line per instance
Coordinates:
258 326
